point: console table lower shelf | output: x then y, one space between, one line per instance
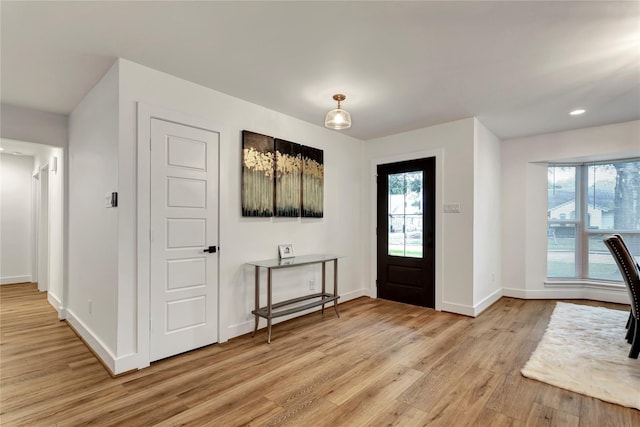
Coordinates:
294 305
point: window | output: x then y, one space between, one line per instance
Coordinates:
405 214
586 202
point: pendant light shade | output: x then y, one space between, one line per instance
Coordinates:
338 119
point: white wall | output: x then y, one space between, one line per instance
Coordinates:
242 239
15 218
453 145
93 228
487 220
25 124
524 204
103 157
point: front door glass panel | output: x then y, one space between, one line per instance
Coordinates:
405 214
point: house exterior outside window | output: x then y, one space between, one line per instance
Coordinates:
586 202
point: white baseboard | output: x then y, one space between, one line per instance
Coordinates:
126 363
57 305
514 293
115 365
97 346
246 327
371 291
487 302
10 280
465 310
619 296
451 307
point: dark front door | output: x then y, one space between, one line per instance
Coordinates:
406 231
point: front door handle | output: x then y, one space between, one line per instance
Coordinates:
211 249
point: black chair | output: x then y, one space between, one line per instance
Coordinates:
631 275
629 336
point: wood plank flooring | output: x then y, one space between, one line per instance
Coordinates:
380 364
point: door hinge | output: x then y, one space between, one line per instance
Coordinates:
150 324
150 144
150 235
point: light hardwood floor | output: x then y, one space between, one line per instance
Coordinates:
380 364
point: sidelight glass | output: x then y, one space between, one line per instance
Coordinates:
405 214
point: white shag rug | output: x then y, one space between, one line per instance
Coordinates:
584 350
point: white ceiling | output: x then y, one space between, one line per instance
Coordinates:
22 148
518 66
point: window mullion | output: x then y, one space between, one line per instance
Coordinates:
582 252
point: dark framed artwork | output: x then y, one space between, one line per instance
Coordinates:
312 182
258 165
288 178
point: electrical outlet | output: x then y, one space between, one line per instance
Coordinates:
312 285
90 307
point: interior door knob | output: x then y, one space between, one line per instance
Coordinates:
211 249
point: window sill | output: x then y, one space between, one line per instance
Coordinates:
596 284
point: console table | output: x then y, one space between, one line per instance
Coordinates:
291 306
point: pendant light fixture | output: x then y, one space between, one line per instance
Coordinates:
338 119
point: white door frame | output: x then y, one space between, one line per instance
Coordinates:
439 226
43 232
35 222
145 114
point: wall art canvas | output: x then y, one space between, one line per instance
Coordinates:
288 178
312 182
258 166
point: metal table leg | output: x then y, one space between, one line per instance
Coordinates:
268 305
257 300
324 264
335 284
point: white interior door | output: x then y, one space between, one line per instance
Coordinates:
184 222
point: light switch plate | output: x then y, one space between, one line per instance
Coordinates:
451 208
107 199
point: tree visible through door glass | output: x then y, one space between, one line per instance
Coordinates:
405 214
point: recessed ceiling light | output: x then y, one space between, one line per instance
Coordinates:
17 153
577 112
1 149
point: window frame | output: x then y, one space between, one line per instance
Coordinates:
581 224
